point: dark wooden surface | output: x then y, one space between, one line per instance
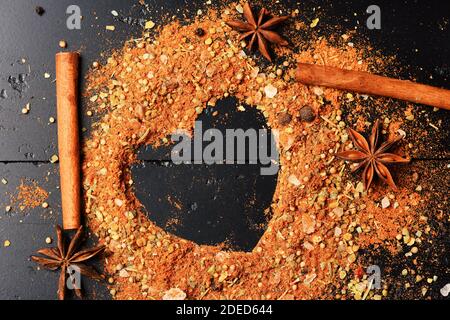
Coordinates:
416 31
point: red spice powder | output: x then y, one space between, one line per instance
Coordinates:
157 85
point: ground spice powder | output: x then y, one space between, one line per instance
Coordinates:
321 217
29 195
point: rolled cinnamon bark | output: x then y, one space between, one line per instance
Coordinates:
68 140
367 83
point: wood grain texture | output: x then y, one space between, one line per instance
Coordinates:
68 137
366 83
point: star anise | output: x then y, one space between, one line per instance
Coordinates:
63 257
259 30
372 158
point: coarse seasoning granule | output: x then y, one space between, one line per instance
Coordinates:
155 86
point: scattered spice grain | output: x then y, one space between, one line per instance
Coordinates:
320 221
29 195
39 10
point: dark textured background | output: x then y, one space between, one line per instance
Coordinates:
416 31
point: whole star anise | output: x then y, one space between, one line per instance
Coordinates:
63 257
259 30
372 158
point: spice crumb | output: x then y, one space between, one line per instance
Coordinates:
385 203
317 180
7 243
63 44
149 24
307 114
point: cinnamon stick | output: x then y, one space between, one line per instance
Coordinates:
367 83
67 64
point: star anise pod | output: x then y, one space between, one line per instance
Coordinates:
258 30
63 257
374 159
